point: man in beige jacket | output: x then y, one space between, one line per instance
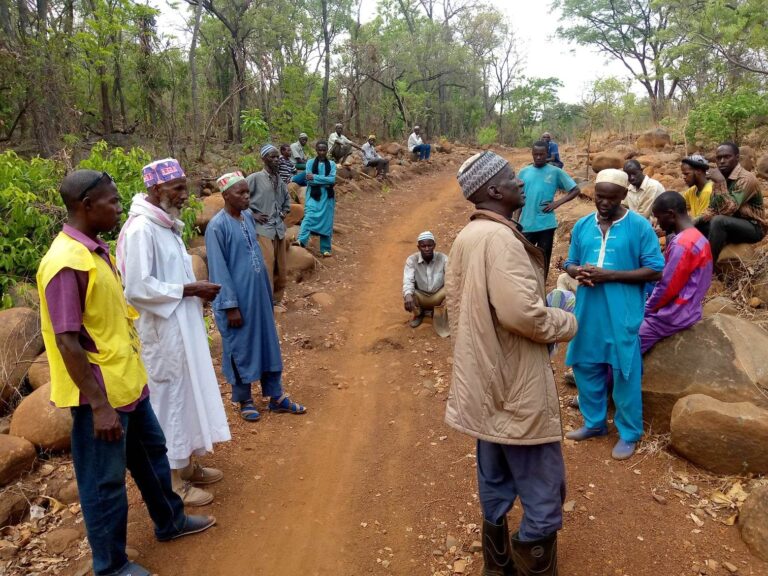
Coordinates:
503 390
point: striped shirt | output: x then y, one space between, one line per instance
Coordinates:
286 169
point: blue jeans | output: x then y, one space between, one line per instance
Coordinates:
100 470
423 150
535 473
271 385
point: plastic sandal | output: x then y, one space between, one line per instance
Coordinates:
285 404
249 413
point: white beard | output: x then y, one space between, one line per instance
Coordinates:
172 211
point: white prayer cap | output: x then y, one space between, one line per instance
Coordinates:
426 235
613 176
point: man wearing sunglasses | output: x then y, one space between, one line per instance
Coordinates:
97 372
159 282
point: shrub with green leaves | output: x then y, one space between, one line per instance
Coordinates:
487 136
31 214
727 116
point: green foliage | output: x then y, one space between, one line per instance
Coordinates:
487 136
125 169
296 113
30 216
527 103
255 129
726 116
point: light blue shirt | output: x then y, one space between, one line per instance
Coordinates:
610 313
541 185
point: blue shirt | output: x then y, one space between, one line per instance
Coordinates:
541 185
610 314
554 152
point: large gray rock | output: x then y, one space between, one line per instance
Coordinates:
20 343
722 357
17 456
726 438
40 422
753 522
721 305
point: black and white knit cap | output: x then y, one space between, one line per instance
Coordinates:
478 170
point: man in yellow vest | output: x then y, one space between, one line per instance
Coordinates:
97 372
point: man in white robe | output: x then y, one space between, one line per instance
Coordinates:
159 283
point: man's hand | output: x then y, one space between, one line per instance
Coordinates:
260 218
550 206
106 423
716 176
310 177
591 275
204 289
234 318
410 304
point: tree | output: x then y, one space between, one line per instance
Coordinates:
632 31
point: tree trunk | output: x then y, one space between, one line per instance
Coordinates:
106 110
5 19
193 71
327 72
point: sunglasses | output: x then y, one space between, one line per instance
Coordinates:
95 183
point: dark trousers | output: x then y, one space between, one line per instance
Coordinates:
534 473
423 150
544 239
271 386
724 230
100 470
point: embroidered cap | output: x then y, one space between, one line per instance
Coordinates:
161 171
228 180
426 235
266 149
613 176
478 170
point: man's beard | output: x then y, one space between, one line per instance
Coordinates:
171 210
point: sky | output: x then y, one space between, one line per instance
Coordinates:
544 52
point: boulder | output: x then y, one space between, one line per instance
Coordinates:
626 150
721 356
300 262
17 456
295 216
604 160
369 171
737 254
723 437
38 421
762 166
57 541
322 299
296 192
13 508
39 372
68 493
720 305
211 206
20 343
199 268
747 158
345 173
197 241
215 344
658 139
393 149
199 251
753 522
444 147
24 294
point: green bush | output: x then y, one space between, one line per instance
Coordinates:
125 169
487 136
726 116
31 215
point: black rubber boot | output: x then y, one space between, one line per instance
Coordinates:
536 558
497 556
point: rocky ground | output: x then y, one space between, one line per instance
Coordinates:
371 481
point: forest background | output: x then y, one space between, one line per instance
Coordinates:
79 78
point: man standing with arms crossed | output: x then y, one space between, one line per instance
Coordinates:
503 391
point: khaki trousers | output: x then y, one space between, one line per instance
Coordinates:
275 252
429 301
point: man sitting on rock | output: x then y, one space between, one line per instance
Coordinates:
373 158
553 152
643 189
417 146
736 213
286 168
503 392
298 153
97 373
339 146
677 300
542 181
694 169
614 252
424 283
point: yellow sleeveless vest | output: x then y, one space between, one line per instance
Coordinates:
108 319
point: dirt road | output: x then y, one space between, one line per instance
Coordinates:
371 481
